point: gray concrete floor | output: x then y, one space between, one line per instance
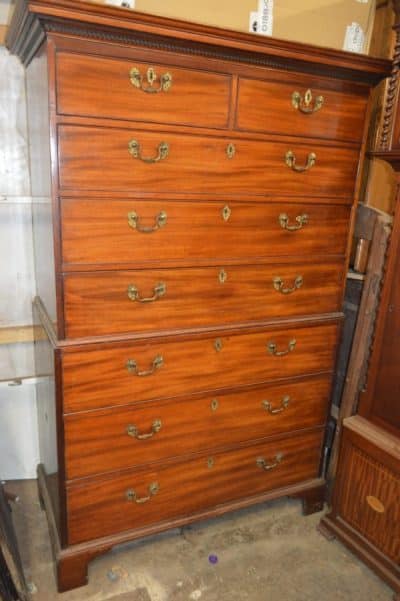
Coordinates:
267 553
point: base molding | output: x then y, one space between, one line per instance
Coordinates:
72 562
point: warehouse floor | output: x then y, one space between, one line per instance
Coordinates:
267 553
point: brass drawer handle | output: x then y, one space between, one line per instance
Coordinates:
290 160
154 487
132 367
284 222
303 103
264 465
137 80
273 351
133 431
134 295
280 286
160 221
284 405
135 151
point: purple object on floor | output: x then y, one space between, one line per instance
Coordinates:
213 559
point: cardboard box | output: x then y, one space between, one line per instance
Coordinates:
320 22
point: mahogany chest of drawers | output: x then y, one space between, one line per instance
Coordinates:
195 197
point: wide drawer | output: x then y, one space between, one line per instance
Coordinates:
103 303
139 498
300 108
113 439
98 158
127 231
153 369
185 96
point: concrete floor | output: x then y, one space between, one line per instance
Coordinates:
267 553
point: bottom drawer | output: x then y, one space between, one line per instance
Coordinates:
147 496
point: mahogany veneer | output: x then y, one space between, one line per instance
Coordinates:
190 265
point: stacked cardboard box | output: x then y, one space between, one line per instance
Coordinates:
340 24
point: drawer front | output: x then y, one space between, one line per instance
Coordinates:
105 232
103 303
284 108
368 495
96 158
186 97
141 498
155 369
114 439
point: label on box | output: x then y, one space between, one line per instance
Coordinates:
253 22
265 16
122 3
354 38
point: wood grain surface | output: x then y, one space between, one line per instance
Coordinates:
98 441
101 507
97 158
100 378
97 232
266 106
200 98
98 303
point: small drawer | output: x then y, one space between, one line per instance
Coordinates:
114 439
98 158
300 108
141 91
118 374
140 498
119 302
131 231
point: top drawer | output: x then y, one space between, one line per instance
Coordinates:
295 108
124 89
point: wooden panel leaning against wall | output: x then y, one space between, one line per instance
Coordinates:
148 335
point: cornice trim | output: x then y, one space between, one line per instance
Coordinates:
34 18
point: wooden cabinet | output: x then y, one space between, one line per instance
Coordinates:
197 190
365 504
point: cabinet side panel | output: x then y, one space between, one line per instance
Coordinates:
40 165
47 413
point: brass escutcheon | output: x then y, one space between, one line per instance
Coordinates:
226 213
222 276
230 151
214 405
218 345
